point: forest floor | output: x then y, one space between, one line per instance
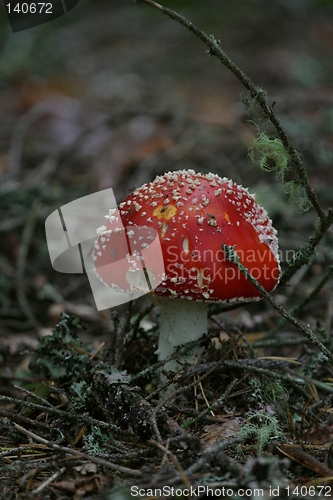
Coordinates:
112 95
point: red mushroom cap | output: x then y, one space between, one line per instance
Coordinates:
194 215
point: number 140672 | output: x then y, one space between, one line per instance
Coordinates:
30 8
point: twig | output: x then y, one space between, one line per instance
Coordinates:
213 366
217 403
48 481
179 352
25 420
21 265
49 165
271 342
300 307
302 457
22 449
174 460
71 451
33 395
256 93
232 256
207 456
117 341
240 335
68 416
289 376
17 141
205 398
259 95
142 314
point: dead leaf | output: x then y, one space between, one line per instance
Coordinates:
221 432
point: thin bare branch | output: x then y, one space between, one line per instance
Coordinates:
77 453
232 256
256 93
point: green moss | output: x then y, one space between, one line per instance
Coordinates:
262 427
269 154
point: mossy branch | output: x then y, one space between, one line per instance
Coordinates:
300 307
232 256
300 190
256 93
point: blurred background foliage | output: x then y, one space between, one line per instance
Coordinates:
114 92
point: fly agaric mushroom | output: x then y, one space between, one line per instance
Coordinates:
194 216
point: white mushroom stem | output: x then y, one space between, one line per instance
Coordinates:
181 321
